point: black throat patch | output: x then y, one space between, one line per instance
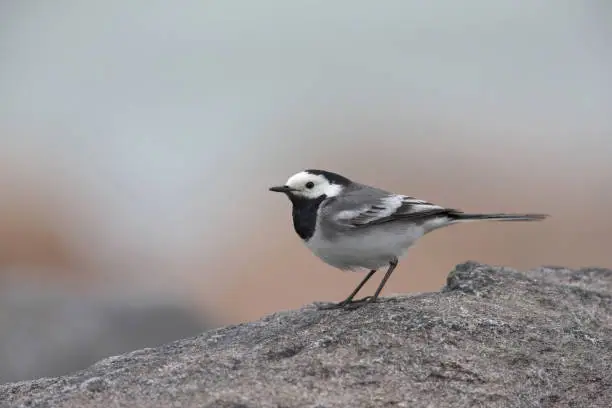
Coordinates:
305 215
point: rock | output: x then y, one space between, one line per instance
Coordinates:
51 331
492 337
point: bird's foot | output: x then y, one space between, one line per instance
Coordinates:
346 304
356 304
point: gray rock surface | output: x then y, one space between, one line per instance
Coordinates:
51 331
492 337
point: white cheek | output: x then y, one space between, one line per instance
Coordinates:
329 190
332 190
308 193
318 191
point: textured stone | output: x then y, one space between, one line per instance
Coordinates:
50 331
492 337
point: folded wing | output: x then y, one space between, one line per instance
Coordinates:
392 207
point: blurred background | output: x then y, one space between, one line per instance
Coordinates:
138 140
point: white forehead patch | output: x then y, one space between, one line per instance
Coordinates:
299 179
322 186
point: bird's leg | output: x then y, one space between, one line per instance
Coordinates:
352 304
373 298
349 299
392 266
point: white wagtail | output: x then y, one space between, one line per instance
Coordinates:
353 226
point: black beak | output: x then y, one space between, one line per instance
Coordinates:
282 189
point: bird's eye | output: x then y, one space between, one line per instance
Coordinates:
309 185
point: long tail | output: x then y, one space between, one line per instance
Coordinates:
462 217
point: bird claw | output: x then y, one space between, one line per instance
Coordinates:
355 304
331 306
348 305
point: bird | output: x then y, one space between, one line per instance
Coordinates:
356 227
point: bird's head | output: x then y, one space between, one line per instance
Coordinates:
312 185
